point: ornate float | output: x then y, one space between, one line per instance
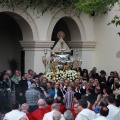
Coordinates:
61 64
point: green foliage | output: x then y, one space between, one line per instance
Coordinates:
78 6
116 22
95 6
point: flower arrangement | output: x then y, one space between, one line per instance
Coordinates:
68 74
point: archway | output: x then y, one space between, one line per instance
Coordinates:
14 29
69 27
74 24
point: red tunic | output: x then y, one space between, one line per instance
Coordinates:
62 109
73 111
48 108
30 117
38 114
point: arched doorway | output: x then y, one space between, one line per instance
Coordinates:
14 28
10 36
69 27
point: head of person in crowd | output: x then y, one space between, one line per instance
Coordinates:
29 77
41 75
82 104
49 85
55 106
77 97
117 103
17 73
110 99
104 111
84 82
96 82
91 80
116 74
117 85
112 74
72 84
102 103
56 115
69 88
97 89
66 83
68 115
90 91
25 107
77 81
23 118
15 105
107 91
24 76
41 103
94 70
49 101
36 79
88 85
85 74
80 79
31 72
76 108
59 100
5 78
33 86
116 80
61 81
44 80
9 73
90 75
56 85
85 70
102 73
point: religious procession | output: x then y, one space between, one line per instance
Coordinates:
64 91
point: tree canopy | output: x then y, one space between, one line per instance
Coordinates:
92 7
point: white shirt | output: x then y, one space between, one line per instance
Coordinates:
101 118
49 116
29 84
86 114
113 111
55 94
15 115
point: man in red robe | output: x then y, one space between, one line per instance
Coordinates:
49 102
39 113
74 110
62 107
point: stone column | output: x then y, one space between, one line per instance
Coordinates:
34 50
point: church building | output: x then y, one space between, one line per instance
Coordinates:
24 37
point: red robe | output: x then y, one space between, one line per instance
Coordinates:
30 117
62 108
48 108
73 111
38 114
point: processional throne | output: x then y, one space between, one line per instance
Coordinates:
61 59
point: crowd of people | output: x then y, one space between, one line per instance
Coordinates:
92 96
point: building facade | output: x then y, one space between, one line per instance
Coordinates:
24 37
